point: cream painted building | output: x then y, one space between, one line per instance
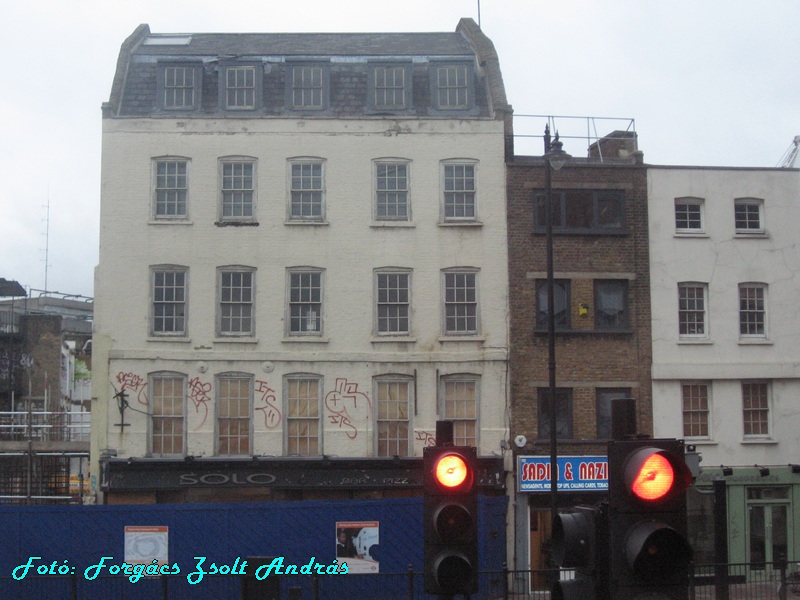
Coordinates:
725 263
302 256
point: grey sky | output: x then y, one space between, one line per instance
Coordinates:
707 82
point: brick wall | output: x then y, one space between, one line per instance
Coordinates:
42 334
585 359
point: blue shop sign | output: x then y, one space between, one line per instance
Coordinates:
575 473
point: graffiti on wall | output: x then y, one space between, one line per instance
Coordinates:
348 406
134 383
266 404
426 437
13 360
199 394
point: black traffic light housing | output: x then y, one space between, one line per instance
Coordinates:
648 549
450 514
580 542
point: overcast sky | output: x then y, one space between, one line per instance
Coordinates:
707 83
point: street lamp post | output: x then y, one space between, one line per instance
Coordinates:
554 158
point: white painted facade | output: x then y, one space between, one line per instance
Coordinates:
714 255
348 246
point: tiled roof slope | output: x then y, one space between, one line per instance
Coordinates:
135 83
313 44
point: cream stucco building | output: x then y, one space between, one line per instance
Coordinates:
302 257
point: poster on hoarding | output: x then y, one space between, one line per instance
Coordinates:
146 543
357 544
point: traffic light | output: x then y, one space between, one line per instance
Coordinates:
579 542
649 553
450 514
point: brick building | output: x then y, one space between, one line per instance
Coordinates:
602 312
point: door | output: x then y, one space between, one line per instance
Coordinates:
768 527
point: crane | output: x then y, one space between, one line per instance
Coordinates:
790 156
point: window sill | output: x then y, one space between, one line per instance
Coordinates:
235 340
759 441
297 222
755 342
751 235
394 340
391 224
700 442
692 234
236 223
460 224
467 337
579 332
170 222
695 342
167 338
305 340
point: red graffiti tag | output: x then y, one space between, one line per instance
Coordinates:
272 414
343 399
133 382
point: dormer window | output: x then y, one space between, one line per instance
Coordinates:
240 86
307 87
179 86
452 87
389 87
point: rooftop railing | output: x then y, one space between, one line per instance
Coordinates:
583 137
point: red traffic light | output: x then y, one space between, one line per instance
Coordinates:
452 472
654 475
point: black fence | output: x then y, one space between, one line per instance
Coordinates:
752 581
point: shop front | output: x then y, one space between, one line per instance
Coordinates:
581 480
763 510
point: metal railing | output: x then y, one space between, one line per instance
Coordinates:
57 426
581 136
754 581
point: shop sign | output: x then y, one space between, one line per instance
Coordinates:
575 473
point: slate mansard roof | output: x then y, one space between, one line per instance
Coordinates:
346 57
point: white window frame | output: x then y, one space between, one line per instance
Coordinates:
452 87
248 419
749 309
451 298
383 86
383 190
456 195
461 421
244 303
290 418
683 285
382 416
307 87
694 410
382 300
687 202
768 424
234 191
306 189
180 305
236 92
172 82
166 416
299 297
171 188
749 203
